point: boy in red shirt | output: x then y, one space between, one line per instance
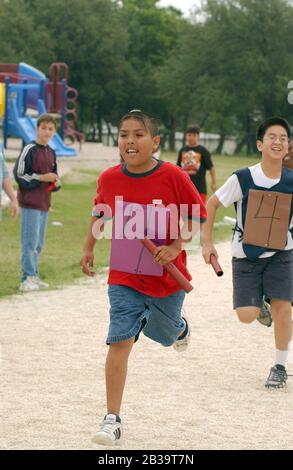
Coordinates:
141 302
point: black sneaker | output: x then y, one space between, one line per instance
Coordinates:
277 377
265 316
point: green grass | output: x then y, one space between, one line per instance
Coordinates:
59 261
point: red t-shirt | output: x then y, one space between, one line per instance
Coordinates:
165 182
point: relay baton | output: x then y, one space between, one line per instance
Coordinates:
217 268
170 267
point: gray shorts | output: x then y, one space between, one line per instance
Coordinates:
270 277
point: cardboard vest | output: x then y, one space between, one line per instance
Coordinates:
266 213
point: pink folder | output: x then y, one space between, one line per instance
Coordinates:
130 255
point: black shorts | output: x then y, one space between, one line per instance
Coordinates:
271 277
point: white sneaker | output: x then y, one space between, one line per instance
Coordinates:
29 284
181 344
41 284
265 315
110 432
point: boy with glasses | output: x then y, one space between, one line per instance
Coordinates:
262 245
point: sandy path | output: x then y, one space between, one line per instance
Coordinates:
211 397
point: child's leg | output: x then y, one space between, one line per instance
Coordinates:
247 314
247 288
128 314
278 287
30 223
41 235
116 371
281 313
165 323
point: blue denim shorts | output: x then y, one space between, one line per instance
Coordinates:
132 312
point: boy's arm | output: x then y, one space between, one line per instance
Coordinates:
24 175
56 186
8 188
55 171
213 179
208 248
87 260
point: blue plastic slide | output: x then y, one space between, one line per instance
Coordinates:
25 128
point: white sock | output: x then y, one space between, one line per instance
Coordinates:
281 357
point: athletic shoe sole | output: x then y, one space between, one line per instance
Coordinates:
104 440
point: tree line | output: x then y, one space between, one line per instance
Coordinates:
225 67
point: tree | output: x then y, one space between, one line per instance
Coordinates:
231 68
21 39
153 34
89 36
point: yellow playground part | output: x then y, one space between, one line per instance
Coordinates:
2 99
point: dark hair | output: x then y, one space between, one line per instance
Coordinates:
193 129
46 118
272 121
149 123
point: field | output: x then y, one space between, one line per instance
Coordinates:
59 261
52 352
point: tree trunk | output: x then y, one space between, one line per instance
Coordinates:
251 143
221 143
204 119
172 134
250 137
185 124
93 136
240 145
110 134
100 128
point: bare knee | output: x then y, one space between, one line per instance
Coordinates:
247 314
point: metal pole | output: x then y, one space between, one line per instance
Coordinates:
64 85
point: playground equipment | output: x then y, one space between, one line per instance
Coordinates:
23 87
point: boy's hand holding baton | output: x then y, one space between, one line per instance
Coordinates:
210 256
169 266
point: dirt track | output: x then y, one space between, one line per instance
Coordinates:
212 397
52 393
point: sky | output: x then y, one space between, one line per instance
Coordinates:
183 5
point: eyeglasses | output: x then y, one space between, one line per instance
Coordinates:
273 137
